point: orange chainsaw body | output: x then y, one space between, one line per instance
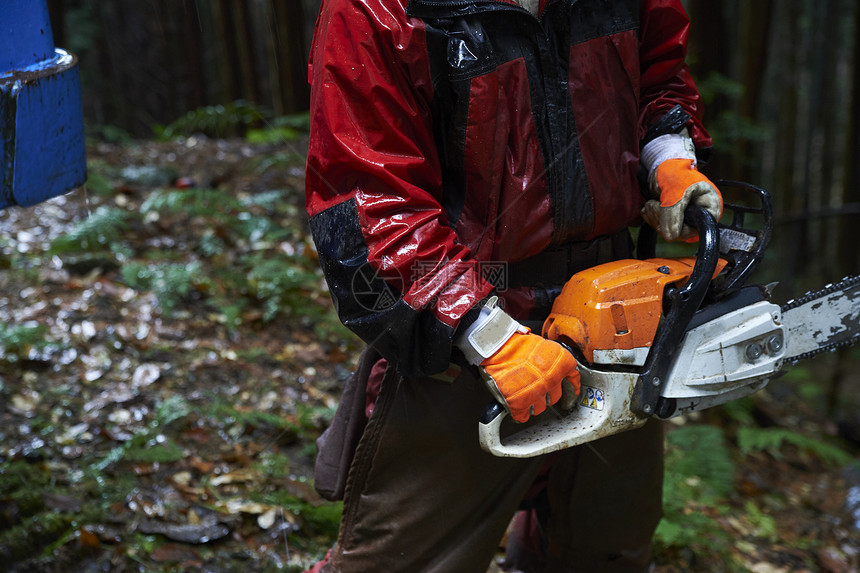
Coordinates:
617 305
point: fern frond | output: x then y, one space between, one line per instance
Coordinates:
741 411
102 228
300 121
699 474
193 202
254 228
17 340
772 440
700 455
171 409
215 120
280 282
265 199
170 282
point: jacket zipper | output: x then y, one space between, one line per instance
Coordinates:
557 132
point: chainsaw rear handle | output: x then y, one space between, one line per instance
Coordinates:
682 303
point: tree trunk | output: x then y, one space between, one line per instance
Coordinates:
57 13
290 54
755 41
228 62
707 53
245 51
849 246
829 148
192 46
811 183
787 197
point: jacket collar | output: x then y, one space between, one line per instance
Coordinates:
439 7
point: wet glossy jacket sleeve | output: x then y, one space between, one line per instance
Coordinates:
397 274
665 77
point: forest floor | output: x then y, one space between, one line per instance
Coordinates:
168 356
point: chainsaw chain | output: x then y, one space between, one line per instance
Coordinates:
832 347
844 284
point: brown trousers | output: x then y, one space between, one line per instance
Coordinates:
421 496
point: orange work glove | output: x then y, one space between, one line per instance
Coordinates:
679 184
673 178
527 374
523 371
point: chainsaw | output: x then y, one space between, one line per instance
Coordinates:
663 337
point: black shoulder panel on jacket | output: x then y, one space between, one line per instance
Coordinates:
595 18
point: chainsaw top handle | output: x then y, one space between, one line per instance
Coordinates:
707 255
680 305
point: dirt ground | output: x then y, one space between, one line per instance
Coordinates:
133 439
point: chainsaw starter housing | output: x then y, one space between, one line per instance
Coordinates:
611 312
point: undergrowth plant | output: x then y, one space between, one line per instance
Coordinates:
16 341
240 117
303 424
281 129
699 476
211 204
280 282
320 522
28 525
772 440
214 120
170 282
227 250
699 480
150 444
99 231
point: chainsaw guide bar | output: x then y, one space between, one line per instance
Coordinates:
823 320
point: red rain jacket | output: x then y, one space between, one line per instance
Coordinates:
449 136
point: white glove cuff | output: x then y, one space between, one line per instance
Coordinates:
672 146
488 333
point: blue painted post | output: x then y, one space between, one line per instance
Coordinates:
42 151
